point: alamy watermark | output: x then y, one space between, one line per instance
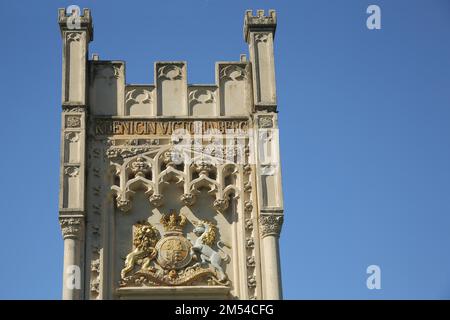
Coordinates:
373 21
374 279
73 277
74 20
235 146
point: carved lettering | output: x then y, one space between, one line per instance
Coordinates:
151 127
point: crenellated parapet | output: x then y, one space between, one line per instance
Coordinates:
74 20
170 95
260 22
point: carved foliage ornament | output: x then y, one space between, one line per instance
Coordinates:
221 204
76 109
188 199
71 226
233 72
140 167
72 136
73 121
170 72
71 171
265 122
173 260
262 37
201 96
73 36
129 148
156 200
138 96
270 225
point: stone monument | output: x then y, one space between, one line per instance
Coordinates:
170 190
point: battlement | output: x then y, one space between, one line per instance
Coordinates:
73 20
170 94
241 87
259 21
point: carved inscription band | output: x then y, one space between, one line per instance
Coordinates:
148 127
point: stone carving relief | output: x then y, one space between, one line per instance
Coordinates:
201 96
71 171
221 204
95 265
249 243
117 68
262 37
72 136
138 96
150 167
233 72
265 122
188 199
94 225
249 235
270 225
73 36
156 200
199 260
73 121
172 259
248 206
74 109
139 100
249 224
251 261
170 72
95 275
71 227
251 281
130 148
95 286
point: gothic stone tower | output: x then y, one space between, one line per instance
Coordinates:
170 190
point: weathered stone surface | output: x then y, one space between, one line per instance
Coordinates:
170 190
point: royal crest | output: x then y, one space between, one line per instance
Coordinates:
172 260
174 250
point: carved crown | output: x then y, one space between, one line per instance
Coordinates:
173 222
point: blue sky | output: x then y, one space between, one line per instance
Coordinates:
364 124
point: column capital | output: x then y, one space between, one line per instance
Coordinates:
71 227
270 224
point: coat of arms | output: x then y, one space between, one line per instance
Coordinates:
172 260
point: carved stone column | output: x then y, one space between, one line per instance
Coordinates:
72 228
76 33
270 227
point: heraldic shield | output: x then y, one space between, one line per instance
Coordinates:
173 260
